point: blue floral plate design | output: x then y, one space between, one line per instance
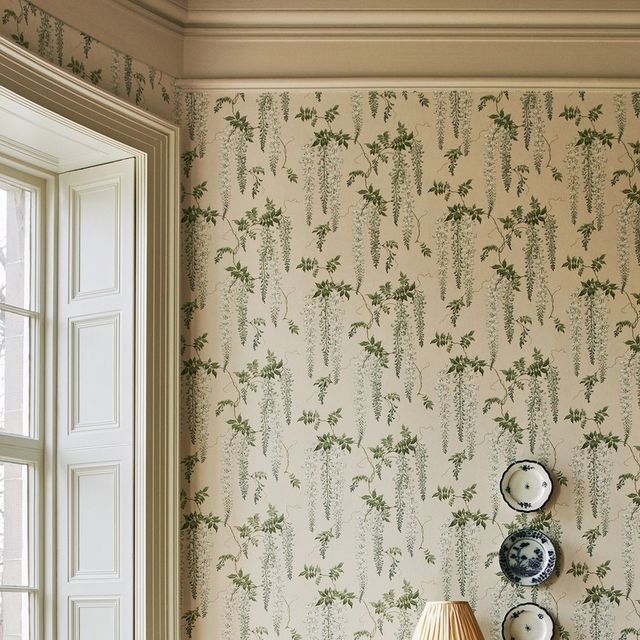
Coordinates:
527 557
526 485
527 621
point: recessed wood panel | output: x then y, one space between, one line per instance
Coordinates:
95 239
94 618
94 373
94 521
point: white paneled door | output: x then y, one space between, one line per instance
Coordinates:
95 489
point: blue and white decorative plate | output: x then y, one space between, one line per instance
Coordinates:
526 485
527 557
527 621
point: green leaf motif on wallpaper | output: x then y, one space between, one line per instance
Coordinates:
356 412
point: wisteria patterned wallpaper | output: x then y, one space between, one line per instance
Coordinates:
388 297
85 57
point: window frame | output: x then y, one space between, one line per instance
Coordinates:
30 449
155 144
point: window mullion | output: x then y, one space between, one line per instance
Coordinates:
19 311
21 449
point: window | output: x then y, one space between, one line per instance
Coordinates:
60 126
21 429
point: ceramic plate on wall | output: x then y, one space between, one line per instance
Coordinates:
527 621
527 557
526 485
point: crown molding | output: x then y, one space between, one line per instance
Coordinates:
402 5
272 22
249 43
377 60
169 14
392 22
399 83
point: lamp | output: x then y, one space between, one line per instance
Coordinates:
448 620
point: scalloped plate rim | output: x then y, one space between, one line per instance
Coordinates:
551 485
528 604
523 534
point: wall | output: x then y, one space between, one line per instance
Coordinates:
156 43
375 325
85 56
394 296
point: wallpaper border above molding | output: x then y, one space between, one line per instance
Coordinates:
89 59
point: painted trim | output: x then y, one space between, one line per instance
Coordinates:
13 148
393 22
33 450
350 84
259 46
261 40
154 144
165 13
350 59
601 19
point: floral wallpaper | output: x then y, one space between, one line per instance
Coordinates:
388 297
85 57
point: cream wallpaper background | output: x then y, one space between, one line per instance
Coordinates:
393 295
389 296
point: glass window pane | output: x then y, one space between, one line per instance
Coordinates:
15 378
14 524
15 245
14 616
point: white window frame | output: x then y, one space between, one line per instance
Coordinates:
154 143
30 449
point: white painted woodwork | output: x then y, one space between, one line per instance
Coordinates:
154 144
95 231
28 132
94 501
94 618
95 390
96 249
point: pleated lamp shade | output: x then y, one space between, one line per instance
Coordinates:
448 620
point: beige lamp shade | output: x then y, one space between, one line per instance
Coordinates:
448 620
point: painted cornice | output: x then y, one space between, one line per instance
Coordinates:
251 43
420 82
272 22
171 14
